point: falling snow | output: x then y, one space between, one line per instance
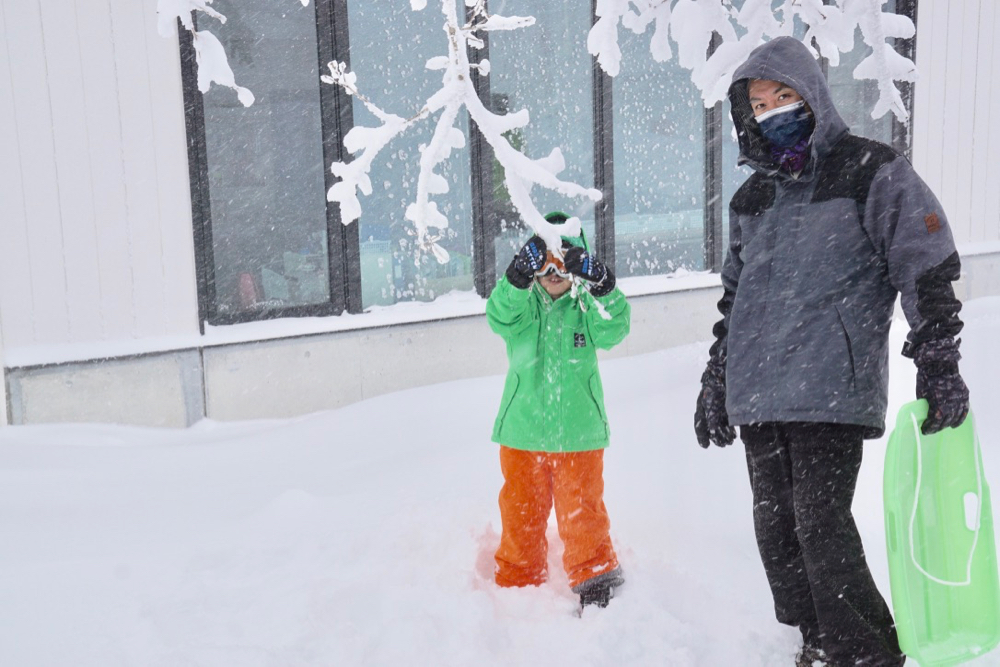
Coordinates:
365 535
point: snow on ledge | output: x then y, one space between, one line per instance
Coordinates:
447 306
978 248
678 281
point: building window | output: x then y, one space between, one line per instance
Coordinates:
391 71
265 166
268 243
659 149
855 99
543 69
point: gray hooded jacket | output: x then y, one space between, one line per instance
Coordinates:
815 263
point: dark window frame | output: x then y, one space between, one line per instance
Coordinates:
902 135
604 157
715 244
333 43
484 223
343 247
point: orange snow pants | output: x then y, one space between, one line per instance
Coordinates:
532 481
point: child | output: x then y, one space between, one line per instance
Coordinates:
552 427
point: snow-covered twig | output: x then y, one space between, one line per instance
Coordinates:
884 65
456 92
213 65
692 23
602 41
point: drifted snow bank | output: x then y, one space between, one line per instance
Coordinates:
365 535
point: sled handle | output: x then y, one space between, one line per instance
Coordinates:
916 499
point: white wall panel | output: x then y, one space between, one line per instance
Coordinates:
956 110
97 232
74 185
951 87
139 160
173 190
15 275
101 109
986 53
988 122
966 76
932 41
45 271
953 95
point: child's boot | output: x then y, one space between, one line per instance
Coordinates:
599 590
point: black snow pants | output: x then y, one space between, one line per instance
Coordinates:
803 477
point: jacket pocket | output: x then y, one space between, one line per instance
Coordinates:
597 395
508 397
866 355
850 347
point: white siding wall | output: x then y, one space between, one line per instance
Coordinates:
957 113
95 225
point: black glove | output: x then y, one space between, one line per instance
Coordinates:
939 382
711 421
581 263
530 258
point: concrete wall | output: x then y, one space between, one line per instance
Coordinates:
153 390
294 376
980 276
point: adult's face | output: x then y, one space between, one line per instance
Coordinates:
766 95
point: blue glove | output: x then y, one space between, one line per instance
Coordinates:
581 263
530 258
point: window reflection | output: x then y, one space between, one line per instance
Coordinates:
389 47
659 164
546 69
855 99
265 163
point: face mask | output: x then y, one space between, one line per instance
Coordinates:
787 125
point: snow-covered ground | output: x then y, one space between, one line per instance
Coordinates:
365 535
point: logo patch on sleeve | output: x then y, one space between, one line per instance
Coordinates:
933 223
579 340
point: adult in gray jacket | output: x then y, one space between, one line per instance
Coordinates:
823 236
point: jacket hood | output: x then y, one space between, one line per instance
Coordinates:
787 60
579 241
559 218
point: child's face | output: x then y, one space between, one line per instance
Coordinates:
555 285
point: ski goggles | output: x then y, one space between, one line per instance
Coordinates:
553 264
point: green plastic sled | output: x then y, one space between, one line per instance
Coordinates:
939 534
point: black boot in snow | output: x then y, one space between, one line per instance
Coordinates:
598 595
810 656
599 590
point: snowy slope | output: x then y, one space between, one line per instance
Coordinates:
365 535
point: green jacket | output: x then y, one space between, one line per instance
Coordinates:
553 400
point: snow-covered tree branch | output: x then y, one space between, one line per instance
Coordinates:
692 23
687 25
456 92
213 65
